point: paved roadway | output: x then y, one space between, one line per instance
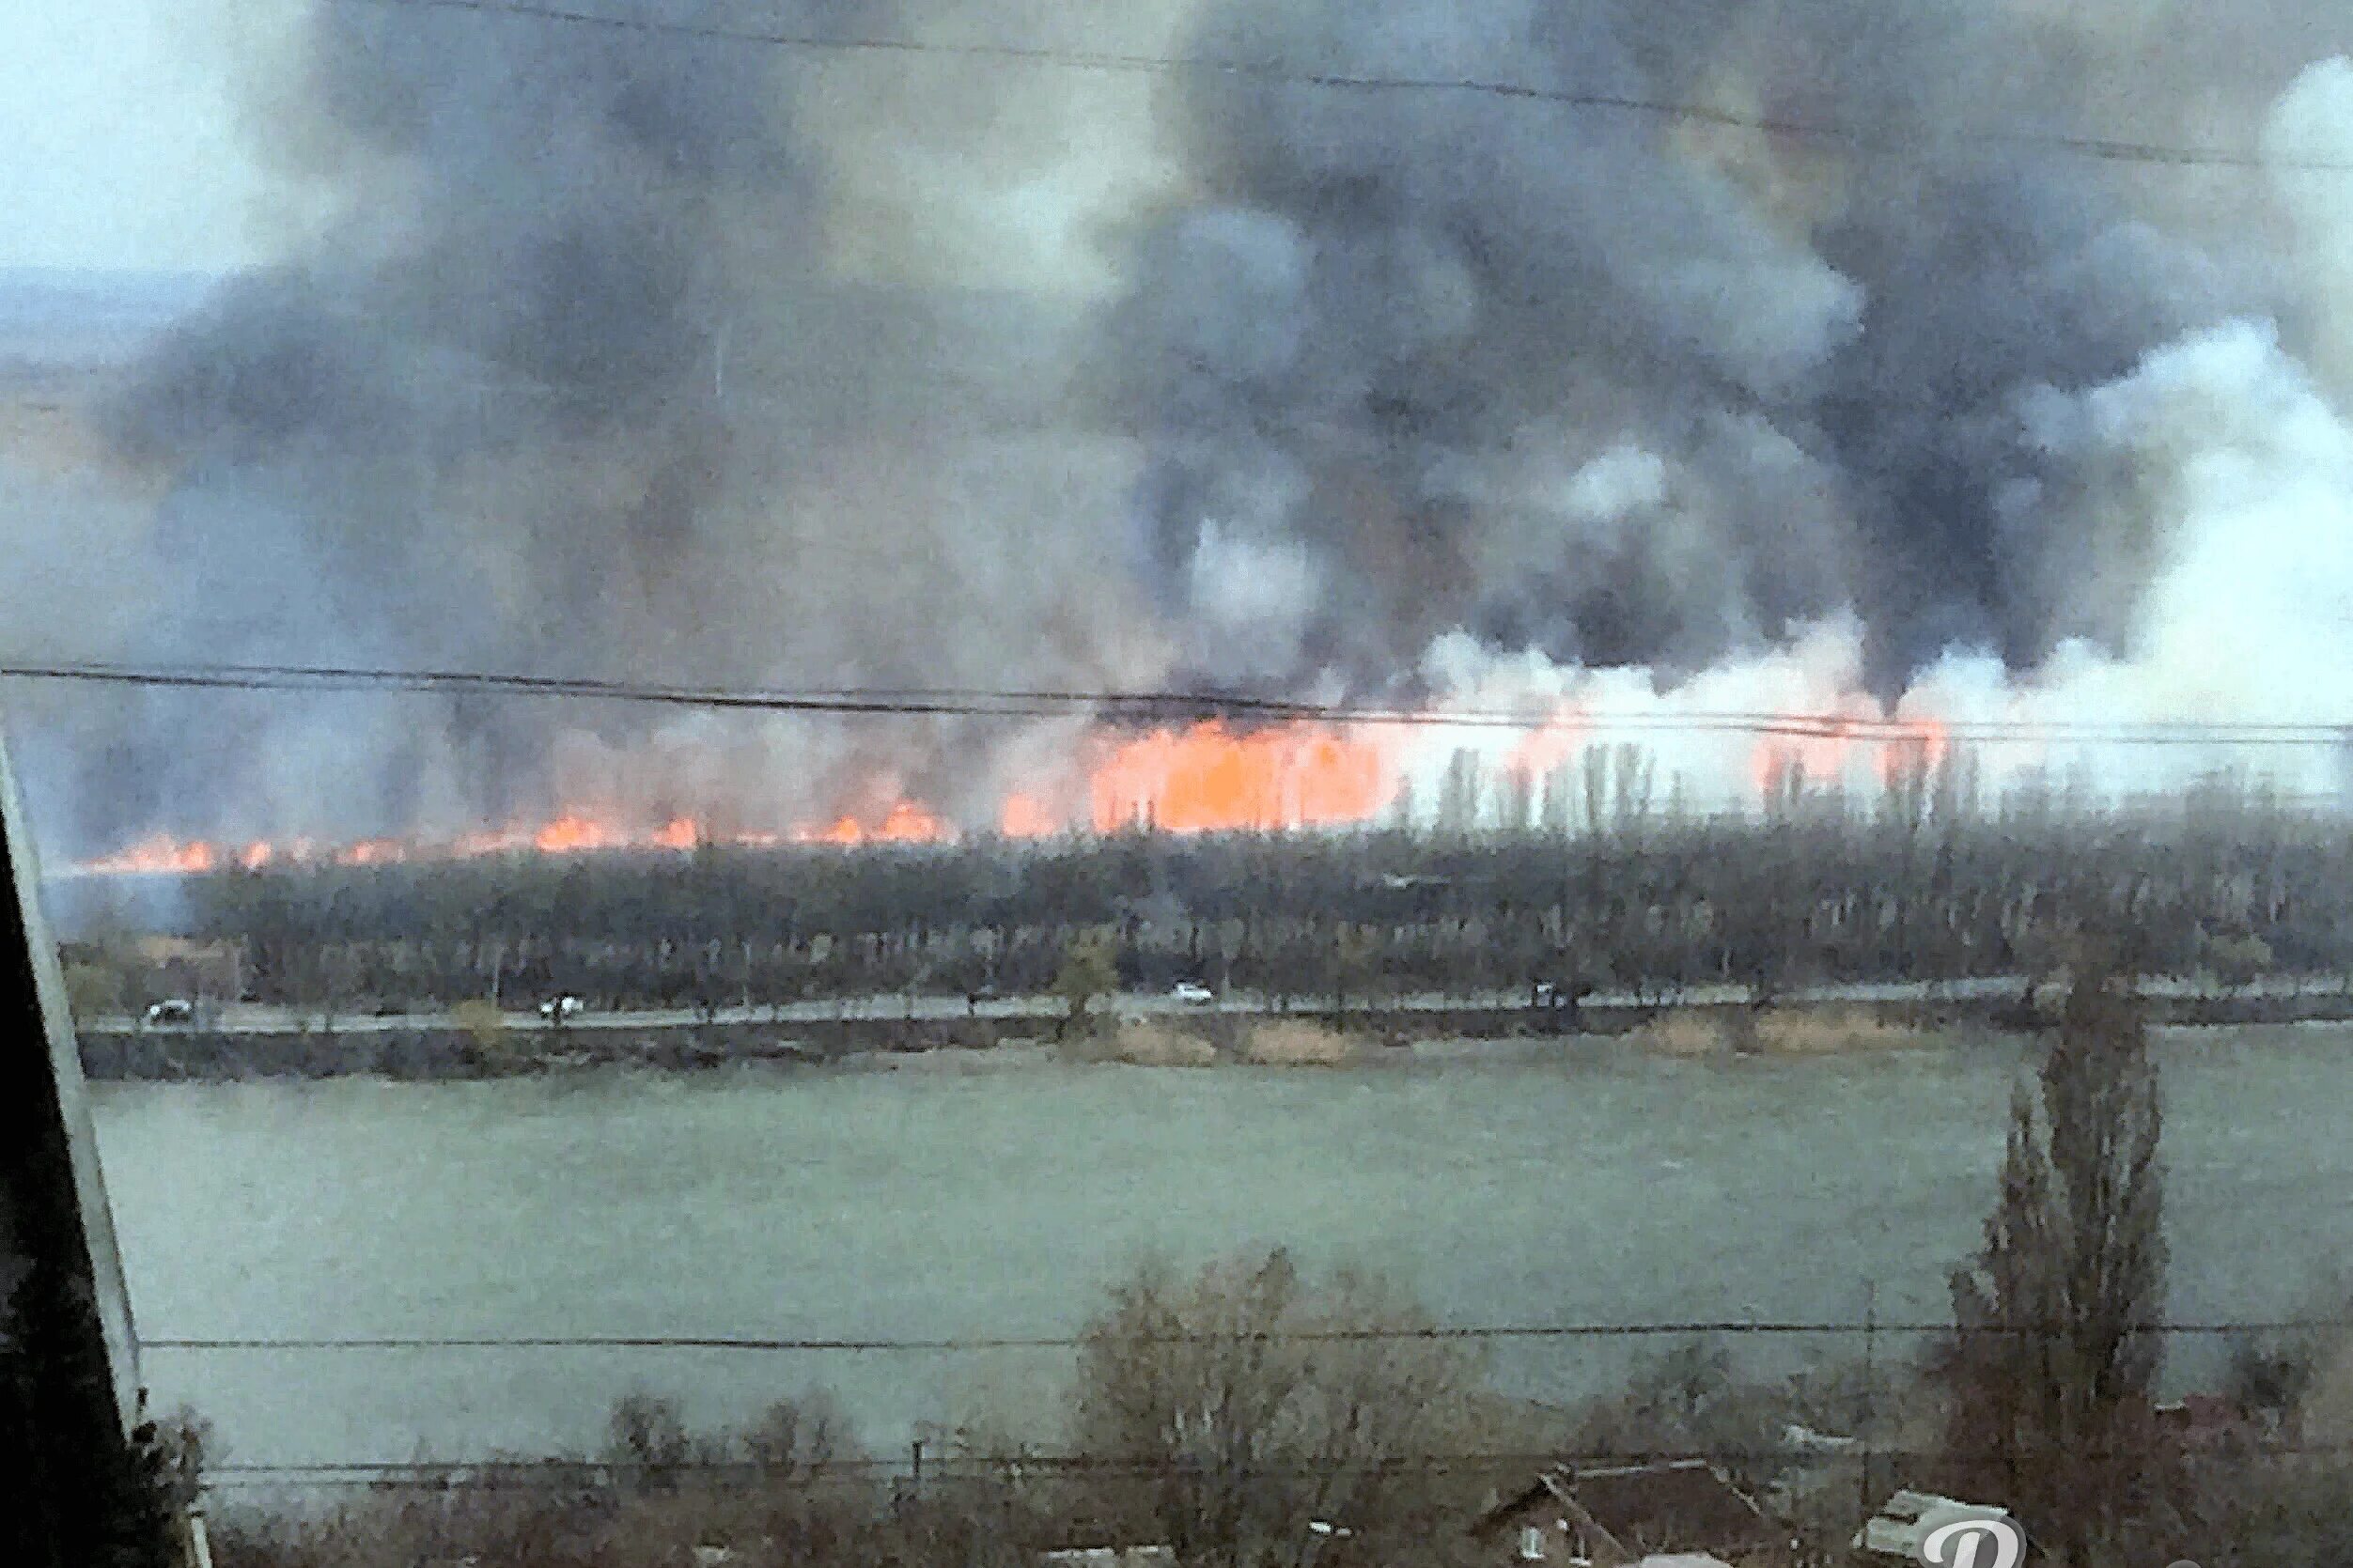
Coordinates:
241 1018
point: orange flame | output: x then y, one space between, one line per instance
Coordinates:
1821 758
1027 816
573 832
1207 779
1817 759
909 823
1548 745
1922 744
161 855
495 842
905 823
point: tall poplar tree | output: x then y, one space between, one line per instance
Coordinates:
2056 1349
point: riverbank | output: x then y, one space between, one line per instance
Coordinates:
446 1052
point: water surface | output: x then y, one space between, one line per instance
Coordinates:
1506 1187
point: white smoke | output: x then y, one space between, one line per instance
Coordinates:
2243 468
2228 459
2312 123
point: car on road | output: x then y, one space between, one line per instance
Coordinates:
1553 993
1192 993
557 1009
171 1011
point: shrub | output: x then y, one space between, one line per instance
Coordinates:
1294 1044
1142 1044
93 990
485 1027
1821 1032
1682 1032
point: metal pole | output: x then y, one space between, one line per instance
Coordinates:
69 1394
199 1543
1870 1385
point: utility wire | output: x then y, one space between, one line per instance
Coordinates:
2106 149
576 1473
965 1343
1164 707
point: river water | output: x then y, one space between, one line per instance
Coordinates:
944 1199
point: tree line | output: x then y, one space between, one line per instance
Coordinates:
1625 890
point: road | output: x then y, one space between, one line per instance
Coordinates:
246 1019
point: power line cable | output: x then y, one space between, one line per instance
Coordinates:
1068 1342
560 1472
1164 707
2105 150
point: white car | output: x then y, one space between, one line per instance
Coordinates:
1192 993
173 1010
556 1009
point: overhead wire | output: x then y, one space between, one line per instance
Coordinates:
1149 705
1068 1342
576 1473
2101 148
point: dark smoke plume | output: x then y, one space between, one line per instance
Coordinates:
569 387
576 379
1403 320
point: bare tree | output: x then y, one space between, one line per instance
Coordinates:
1250 1403
1461 794
1630 791
1086 974
1556 812
1354 968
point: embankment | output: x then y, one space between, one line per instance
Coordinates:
431 1054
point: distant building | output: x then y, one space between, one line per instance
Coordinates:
1110 1556
1908 1517
1397 897
1675 1513
2199 1422
180 966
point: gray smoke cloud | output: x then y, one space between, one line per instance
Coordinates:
627 354
568 386
1402 319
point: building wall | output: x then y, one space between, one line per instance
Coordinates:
1567 1535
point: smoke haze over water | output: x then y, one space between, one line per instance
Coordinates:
614 354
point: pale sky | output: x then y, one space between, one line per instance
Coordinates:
126 144
119 142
